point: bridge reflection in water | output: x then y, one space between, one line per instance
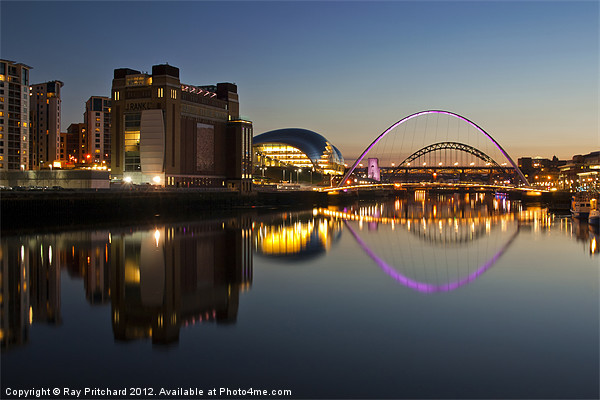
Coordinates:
162 278
440 243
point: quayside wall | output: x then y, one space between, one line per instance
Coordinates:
37 209
31 209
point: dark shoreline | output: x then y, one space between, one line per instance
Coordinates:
46 210
34 210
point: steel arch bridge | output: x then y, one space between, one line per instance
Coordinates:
450 146
420 113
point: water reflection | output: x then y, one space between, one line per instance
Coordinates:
587 235
177 276
298 236
160 279
29 286
156 280
440 243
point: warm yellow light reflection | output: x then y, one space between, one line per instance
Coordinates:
156 236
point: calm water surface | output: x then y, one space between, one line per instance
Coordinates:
463 296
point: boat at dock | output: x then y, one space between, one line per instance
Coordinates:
581 206
594 215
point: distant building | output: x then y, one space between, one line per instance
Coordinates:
541 172
75 143
298 149
97 123
44 140
63 147
14 117
174 134
582 172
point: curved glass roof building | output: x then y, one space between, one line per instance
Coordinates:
299 148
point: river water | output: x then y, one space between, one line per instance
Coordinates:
455 296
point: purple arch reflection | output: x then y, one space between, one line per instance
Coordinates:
504 153
428 287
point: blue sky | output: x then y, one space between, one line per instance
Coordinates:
527 72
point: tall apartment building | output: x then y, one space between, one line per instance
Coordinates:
44 138
14 117
97 121
75 143
173 134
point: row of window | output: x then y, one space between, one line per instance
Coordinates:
160 94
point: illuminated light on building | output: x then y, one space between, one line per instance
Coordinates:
14 153
45 111
298 148
189 136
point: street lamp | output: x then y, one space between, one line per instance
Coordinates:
298 175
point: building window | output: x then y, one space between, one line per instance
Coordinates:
117 95
160 92
173 93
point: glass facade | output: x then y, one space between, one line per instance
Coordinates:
298 148
132 141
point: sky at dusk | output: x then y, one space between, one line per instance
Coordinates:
527 72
